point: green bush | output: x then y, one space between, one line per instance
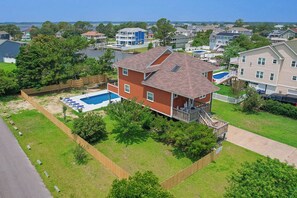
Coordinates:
193 139
140 185
279 108
253 102
263 178
80 155
90 127
8 83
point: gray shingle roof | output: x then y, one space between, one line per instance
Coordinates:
293 45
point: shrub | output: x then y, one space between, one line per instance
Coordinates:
193 139
279 108
263 178
8 83
80 155
140 185
90 127
132 118
253 101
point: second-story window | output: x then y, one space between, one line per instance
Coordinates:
125 72
261 61
243 59
241 71
150 96
294 64
127 88
272 76
259 74
274 61
294 78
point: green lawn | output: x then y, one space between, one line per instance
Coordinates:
8 67
275 127
54 149
227 91
147 155
212 180
139 50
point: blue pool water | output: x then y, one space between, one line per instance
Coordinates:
99 98
220 75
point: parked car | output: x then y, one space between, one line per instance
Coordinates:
285 98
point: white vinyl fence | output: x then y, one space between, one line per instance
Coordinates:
228 99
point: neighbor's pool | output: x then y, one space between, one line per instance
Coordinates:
220 75
99 98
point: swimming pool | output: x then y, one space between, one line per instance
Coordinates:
97 99
220 75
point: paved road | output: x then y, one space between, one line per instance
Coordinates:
18 177
262 145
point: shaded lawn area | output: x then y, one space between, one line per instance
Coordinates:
227 91
212 180
146 155
275 127
8 67
54 149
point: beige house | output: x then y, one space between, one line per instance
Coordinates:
271 69
93 35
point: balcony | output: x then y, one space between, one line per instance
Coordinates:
112 86
201 115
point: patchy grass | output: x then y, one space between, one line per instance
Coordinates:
212 180
138 50
55 150
8 67
227 90
275 127
146 155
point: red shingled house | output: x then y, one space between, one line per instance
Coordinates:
173 84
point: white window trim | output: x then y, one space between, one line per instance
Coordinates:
295 78
153 96
262 61
271 75
202 97
295 66
126 85
243 59
241 71
275 62
259 76
125 74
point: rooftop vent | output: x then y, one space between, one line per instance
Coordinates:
175 68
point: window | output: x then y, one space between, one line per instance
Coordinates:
150 96
261 61
243 59
241 71
127 88
259 74
201 97
274 61
204 74
125 72
294 64
272 76
294 78
175 95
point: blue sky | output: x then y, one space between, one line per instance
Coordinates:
148 10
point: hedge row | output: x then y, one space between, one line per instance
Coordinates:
279 108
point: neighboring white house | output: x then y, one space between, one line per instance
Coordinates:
271 69
131 36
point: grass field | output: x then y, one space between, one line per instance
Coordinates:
275 127
227 91
146 155
8 67
212 180
54 149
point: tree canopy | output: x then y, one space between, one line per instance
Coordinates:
263 178
140 185
202 38
13 30
47 60
8 83
239 23
164 31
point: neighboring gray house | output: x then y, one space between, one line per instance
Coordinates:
271 69
179 41
276 36
221 39
4 35
289 34
9 50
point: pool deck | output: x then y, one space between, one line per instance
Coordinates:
90 107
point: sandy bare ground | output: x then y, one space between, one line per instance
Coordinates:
14 106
